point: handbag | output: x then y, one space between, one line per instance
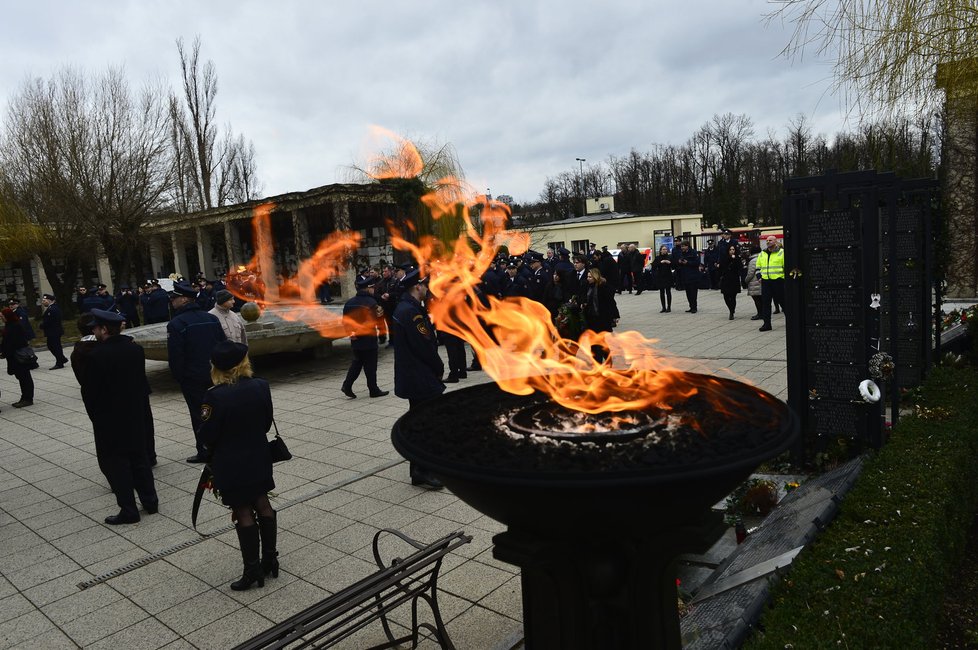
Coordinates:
25 356
277 448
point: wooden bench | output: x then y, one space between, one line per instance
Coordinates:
346 612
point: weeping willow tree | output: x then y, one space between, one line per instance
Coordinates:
412 170
20 239
887 52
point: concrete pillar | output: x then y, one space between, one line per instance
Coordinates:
204 252
42 277
104 269
300 230
180 266
959 80
232 242
341 221
265 251
156 255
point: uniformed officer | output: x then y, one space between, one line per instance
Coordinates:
417 367
190 338
155 302
539 278
127 302
52 324
115 391
25 319
364 320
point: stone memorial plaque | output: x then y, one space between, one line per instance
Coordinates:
836 418
831 267
833 381
832 305
835 345
836 228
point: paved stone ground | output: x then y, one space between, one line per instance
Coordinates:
345 482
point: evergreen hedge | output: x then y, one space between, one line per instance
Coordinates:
876 577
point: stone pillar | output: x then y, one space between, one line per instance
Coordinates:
300 230
42 278
959 80
179 256
204 253
341 221
156 255
232 242
265 251
104 270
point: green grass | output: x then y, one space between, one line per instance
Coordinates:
877 576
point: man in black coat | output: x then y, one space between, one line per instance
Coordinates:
52 324
688 269
711 260
364 320
127 303
155 302
115 392
418 368
190 338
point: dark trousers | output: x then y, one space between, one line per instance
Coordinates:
365 360
26 384
194 396
418 471
770 290
455 348
692 293
714 278
125 472
665 297
730 299
54 347
150 435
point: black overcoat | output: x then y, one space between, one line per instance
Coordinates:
234 424
115 391
731 275
418 368
13 339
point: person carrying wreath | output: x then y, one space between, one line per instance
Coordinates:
234 421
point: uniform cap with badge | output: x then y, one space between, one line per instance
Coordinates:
412 278
104 317
364 283
228 354
182 289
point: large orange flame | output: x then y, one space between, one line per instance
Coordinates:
517 344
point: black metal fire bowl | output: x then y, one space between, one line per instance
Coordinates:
596 526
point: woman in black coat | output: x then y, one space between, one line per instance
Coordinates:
731 278
14 339
600 311
662 274
235 418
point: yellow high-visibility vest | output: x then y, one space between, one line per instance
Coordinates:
771 265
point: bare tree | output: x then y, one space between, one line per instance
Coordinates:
214 169
89 161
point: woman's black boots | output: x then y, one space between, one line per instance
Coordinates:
249 540
269 555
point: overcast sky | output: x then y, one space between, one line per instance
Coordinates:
520 88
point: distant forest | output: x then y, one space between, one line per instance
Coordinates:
730 176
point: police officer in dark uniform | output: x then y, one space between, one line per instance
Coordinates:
512 284
116 395
191 336
105 298
417 366
52 324
363 319
127 303
155 302
539 280
25 319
